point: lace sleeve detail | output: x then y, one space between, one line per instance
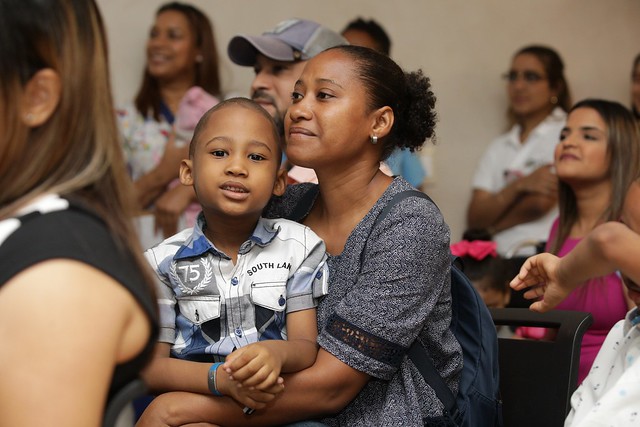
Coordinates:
366 343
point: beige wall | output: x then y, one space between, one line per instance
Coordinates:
463 45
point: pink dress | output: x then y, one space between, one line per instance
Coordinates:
602 297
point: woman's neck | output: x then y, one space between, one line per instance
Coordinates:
173 92
343 201
591 202
529 122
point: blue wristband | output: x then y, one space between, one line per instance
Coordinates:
211 379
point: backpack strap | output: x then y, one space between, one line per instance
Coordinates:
417 353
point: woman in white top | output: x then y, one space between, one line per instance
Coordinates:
514 188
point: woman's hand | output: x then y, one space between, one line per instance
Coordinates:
539 273
169 206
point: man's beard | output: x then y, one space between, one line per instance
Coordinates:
279 115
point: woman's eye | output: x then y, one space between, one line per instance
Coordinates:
590 137
563 136
324 95
296 96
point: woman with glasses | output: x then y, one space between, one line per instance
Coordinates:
514 187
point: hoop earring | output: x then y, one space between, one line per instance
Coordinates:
374 139
554 100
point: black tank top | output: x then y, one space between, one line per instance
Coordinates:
77 233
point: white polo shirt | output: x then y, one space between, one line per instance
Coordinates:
507 158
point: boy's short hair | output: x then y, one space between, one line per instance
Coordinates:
241 102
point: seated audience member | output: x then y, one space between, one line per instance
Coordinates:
351 107
484 268
278 57
180 82
369 33
227 285
609 395
77 308
514 188
595 161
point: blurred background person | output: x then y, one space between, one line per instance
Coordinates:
514 187
371 34
181 54
77 310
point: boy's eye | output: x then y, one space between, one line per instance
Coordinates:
218 153
256 157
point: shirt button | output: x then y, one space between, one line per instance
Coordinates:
234 281
319 274
238 332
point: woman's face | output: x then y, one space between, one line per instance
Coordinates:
528 87
328 121
581 155
171 50
635 87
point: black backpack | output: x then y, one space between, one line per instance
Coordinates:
478 401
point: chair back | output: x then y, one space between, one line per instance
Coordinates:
537 378
121 399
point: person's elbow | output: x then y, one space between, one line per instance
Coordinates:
606 238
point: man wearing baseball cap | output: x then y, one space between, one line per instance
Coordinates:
278 57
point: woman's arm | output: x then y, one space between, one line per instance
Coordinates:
609 247
64 326
523 200
151 185
321 390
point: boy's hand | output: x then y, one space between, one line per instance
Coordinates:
248 396
254 366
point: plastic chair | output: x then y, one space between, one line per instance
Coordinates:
537 378
121 399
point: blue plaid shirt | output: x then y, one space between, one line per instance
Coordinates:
209 306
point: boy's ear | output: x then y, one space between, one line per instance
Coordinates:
186 172
40 98
383 121
281 182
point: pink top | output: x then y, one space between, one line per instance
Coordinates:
602 297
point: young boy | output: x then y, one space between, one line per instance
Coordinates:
228 286
610 394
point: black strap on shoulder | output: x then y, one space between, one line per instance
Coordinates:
301 208
417 353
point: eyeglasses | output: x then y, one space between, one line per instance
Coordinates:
527 76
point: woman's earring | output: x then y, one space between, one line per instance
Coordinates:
374 139
29 117
199 58
554 100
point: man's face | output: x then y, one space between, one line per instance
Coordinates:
273 84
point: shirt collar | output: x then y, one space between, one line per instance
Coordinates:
557 115
197 243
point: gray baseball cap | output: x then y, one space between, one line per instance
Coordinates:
291 40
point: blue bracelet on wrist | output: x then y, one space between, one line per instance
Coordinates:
211 379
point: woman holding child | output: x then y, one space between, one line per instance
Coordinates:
388 284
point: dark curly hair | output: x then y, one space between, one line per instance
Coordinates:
409 95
